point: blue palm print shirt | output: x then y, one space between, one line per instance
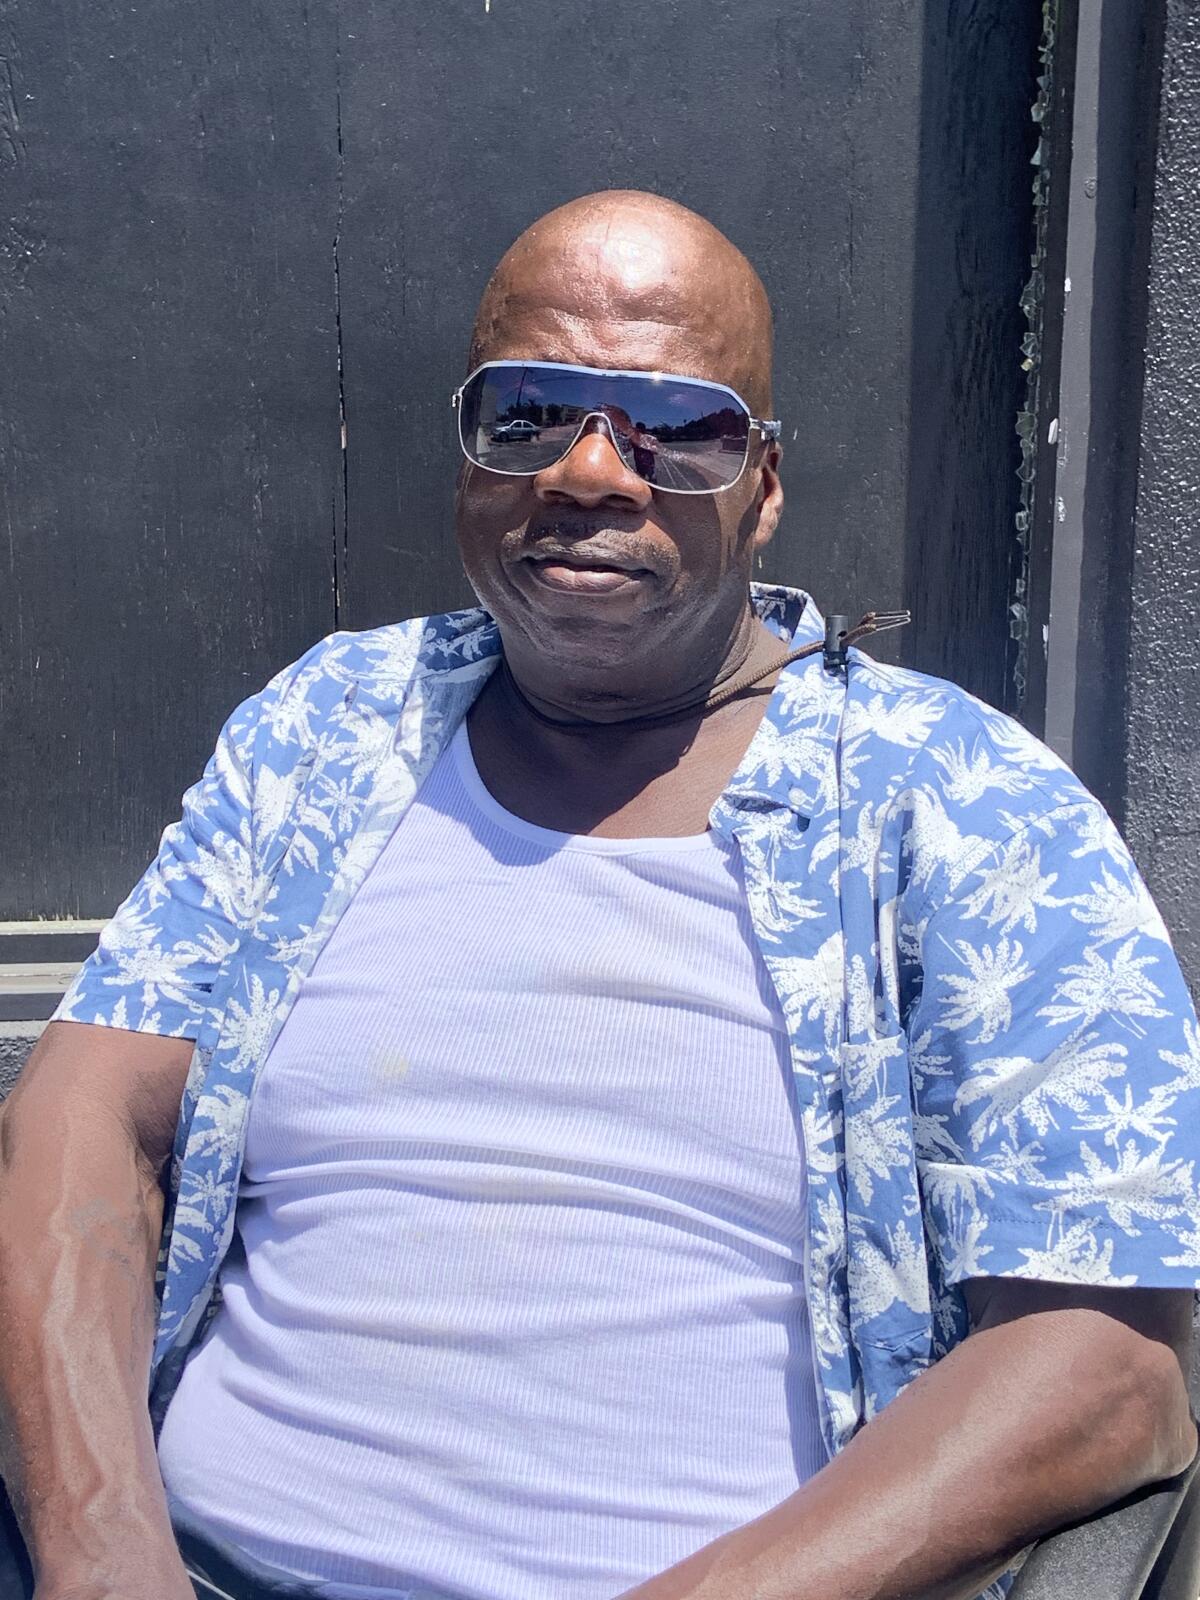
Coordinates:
995 1054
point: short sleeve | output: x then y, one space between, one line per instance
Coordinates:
158 958
1055 1065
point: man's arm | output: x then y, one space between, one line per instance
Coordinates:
1062 1401
83 1139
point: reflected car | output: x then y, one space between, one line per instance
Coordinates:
511 432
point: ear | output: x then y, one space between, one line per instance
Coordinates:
769 499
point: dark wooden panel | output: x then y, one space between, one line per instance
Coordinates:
204 208
872 160
972 238
169 450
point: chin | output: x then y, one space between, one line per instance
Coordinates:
584 647
589 640
615 622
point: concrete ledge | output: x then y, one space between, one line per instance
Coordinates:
17 1039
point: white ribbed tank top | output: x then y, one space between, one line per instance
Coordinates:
519 1308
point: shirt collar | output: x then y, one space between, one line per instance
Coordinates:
789 764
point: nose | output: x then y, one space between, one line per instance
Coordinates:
593 474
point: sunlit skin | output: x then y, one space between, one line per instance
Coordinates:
622 280
614 599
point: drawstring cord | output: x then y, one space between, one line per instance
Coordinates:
838 639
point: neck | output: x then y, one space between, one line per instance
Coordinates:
595 700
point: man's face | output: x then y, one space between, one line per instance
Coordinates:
586 563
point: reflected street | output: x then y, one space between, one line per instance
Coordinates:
673 466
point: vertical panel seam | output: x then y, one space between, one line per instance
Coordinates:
340 553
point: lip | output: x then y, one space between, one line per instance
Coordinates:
569 573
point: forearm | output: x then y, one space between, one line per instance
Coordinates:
996 1445
79 1224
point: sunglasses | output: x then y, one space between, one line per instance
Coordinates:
683 435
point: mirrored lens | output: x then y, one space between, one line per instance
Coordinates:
675 434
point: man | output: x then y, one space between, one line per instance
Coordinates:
662 1120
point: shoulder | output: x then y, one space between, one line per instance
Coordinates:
385 660
925 731
964 780
371 670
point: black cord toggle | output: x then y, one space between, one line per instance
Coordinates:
839 638
834 648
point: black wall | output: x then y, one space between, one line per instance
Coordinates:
239 252
1162 775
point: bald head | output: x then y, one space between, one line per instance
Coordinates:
627 279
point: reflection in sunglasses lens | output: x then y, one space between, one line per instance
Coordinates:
675 435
